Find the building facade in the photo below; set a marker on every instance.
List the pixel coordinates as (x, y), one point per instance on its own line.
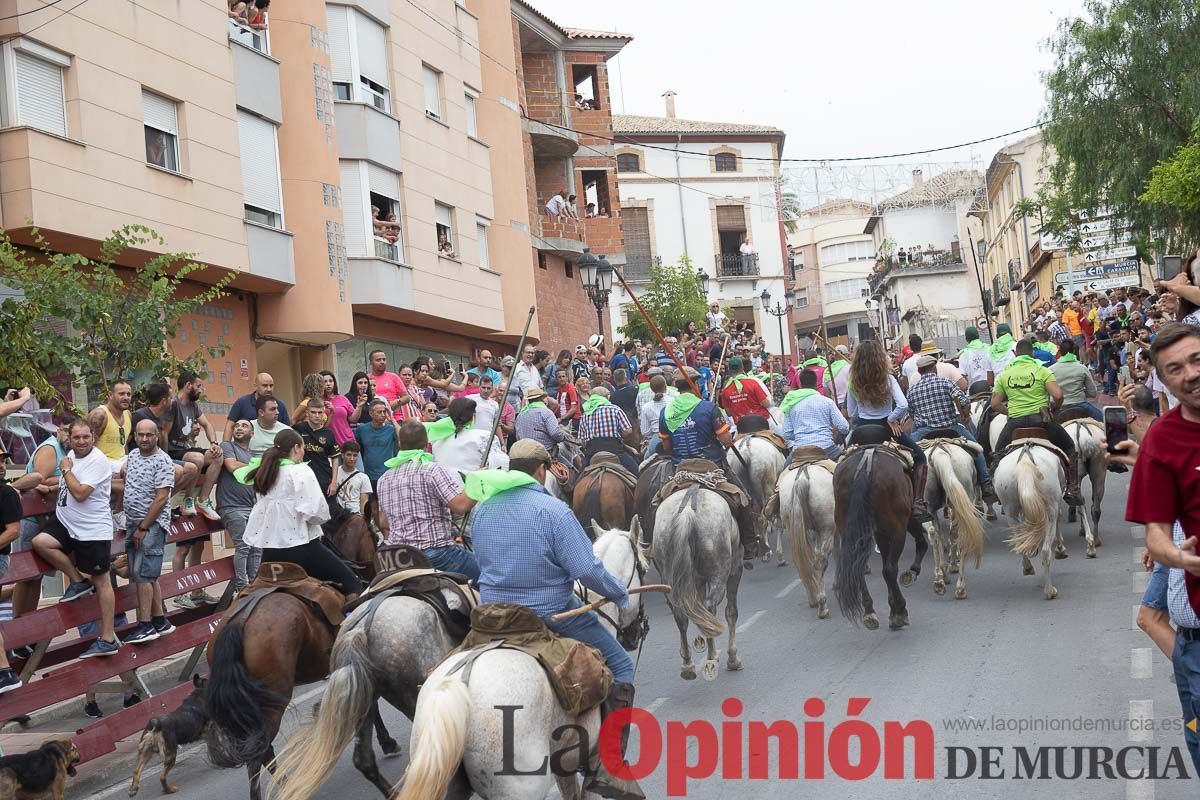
(832, 261)
(704, 190)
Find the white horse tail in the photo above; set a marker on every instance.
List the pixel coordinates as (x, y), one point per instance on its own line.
(439, 737)
(802, 553)
(966, 517)
(311, 755)
(1027, 539)
(681, 572)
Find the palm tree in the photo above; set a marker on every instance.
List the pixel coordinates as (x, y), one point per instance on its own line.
(789, 210)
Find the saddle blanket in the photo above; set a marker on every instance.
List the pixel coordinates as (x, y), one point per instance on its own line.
(806, 455)
(277, 576)
(897, 451)
(965, 444)
(607, 462)
(453, 601)
(702, 472)
(771, 437)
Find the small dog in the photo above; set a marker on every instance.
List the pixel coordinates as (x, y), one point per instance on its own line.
(164, 734)
(39, 774)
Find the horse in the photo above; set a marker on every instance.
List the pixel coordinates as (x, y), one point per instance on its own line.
(385, 648)
(995, 428)
(1089, 460)
(604, 498)
(759, 474)
(806, 511)
(459, 740)
(652, 476)
(873, 501)
(355, 543)
(696, 546)
(1029, 481)
(621, 553)
(953, 483)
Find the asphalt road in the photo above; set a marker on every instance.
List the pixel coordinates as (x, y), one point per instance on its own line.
(1000, 659)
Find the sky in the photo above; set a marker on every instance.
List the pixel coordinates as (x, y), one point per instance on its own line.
(842, 78)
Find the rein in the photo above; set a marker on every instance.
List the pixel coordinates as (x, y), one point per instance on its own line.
(639, 626)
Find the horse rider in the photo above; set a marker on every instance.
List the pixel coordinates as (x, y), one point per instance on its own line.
(416, 499)
(973, 360)
(1027, 392)
(743, 395)
(604, 428)
(531, 549)
(810, 418)
(537, 422)
(1075, 380)
(935, 402)
(873, 397)
(690, 427)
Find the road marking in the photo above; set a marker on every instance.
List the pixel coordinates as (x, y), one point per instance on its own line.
(753, 619)
(1139, 790)
(1138, 532)
(1140, 580)
(1136, 610)
(785, 591)
(1141, 663)
(656, 704)
(1141, 720)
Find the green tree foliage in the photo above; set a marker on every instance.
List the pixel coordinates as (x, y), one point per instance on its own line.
(118, 321)
(672, 299)
(1176, 181)
(1123, 94)
(790, 211)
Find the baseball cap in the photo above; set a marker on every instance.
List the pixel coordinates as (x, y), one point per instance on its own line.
(841, 348)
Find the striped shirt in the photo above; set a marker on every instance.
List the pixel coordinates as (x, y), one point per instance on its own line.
(606, 422)
(1181, 611)
(931, 402)
(541, 425)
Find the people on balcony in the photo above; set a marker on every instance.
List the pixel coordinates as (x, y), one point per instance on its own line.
(444, 246)
(556, 205)
(249, 13)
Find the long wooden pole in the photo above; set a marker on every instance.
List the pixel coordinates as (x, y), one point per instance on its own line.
(504, 397)
(657, 333)
(592, 606)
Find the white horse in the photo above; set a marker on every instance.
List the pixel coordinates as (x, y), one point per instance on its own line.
(765, 462)
(995, 428)
(696, 551)
(952, 482)
(1089, 460)
(806, 509)
(1029, 481)
(459, 724)
(621, 553)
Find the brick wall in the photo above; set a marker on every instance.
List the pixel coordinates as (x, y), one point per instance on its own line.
(540, 83)
(565, 315)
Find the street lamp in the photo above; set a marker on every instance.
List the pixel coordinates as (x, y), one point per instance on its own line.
(778, 312)
(597, 276)
(702, 281)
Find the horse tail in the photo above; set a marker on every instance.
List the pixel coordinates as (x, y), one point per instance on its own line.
(746, 473)
(439, 737)
(681, 570)
(1028, 538)
(308, 758)
(802, 553)
(234, 701)
(967, 518)
(855, 545)
(592, 508)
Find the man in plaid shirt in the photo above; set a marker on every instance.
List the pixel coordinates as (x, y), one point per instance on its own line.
(604, 428)
(1059, 332)
(416, 498)
(935, 402)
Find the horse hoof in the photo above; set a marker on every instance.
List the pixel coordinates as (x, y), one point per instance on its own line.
(960, 594)
(1061, 554)
(1027, 570)
(871, 622)
(907, 578)
(782, 563)
(1098, 542)
(939, 588)
(710, 669)
(823, 613)
(688, 673)
(1091, 552)
(765, 557)
(953, 569)
(735, 664)
(991, 515)
(391, 748)
(699, 644)
(1052, 594)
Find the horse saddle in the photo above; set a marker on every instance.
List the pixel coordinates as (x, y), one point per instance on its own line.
(706, 474)
(766, 435)
(979, 390)
(447, 593)
(577, 672)
(942, 436)
(753, 423)
(604, 462)
(805, 455)
(869, 435)
(1023, 437)
(283, 576)
(887, 447)
(1073, 413)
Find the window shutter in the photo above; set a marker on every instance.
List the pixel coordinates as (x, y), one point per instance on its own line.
(260, 165)
(441, 214)
(160, 113)
(481, 233)
(635, 223)
(337, 19)
(40, 94)
(372, 49)
(433, 100)
(731, 218)
(355, 211)
(383, 182)
(472, 125)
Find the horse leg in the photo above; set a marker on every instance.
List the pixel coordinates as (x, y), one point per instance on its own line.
(939, 560)
(921, 538)
(731, 618)
(898, 617)
(870, 621)
(1060, 547)
(386, 743)
(1026, 566)
(364, 754)
(688, 671)
(568, 786)
(821, 563)
(1052, 535)
(1087, 524)
(1097, 478)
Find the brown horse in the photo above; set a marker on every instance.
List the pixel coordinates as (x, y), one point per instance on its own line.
(653, 476)
(873, 501)
(601, 497)
(355, 543)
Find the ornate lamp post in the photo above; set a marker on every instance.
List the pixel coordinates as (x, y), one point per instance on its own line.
(702, 282)
(778, 312)
(597, 277)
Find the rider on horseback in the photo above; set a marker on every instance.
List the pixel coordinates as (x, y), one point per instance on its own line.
(531, 550)
(605, 429)
(1027, 392)
(693, 428)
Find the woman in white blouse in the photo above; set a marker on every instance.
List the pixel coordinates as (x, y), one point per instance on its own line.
(288, 511)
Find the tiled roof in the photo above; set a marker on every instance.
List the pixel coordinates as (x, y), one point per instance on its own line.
(628, 123)
(581, 33)
(951, 184)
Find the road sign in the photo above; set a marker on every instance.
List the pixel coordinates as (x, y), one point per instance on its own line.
(1101, 284)
(1127, 270)
(982, 322)
(1103, 239)
(1096, 256)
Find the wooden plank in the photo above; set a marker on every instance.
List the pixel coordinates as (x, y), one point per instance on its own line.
(54, 688)
(69, 651)
(101, 737)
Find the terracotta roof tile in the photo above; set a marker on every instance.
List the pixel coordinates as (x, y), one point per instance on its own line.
(628, 123)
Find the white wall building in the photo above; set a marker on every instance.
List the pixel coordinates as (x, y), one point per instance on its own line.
(702, 189)
(834, 261)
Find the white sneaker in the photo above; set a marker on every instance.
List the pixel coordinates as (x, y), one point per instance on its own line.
(206, 508)
(188, 509)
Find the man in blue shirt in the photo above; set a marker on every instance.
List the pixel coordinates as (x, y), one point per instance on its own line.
(531, 549)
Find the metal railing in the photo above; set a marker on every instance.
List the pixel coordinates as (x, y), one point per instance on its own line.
(257, 40)
(637, 268)
(736, 265)
(385, 249)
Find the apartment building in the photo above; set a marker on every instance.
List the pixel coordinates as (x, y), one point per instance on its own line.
(832, 260)
(705, 190)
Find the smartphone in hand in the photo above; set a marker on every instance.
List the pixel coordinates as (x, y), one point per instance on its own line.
(1116, 427)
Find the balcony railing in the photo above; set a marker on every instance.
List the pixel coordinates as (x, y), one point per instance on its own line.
(563, 228)
(736, 265)
(932, 260)
(256, 40)
(385, 249)
(637, 268)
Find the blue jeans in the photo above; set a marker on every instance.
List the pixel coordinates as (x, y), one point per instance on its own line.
(1156, 589)
(1091, 409)
(1186, 659)
(651, 446)
(587, 629)
(980, 462)
(454, 558)
(903, 439)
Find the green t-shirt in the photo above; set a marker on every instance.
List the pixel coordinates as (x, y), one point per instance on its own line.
(1023, 382)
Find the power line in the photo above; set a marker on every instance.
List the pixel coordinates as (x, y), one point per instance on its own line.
(65, 12)
(19, 14)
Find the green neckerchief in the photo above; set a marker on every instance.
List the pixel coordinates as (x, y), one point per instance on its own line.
(836, 367)
(1023, 360)
(241, 474)
(735, 380)
(974, 344)
(643, 386)
(1045, 347)
(484, 484)
(442, 429)
(405, 456)
(1001, 346)
(679, 409)
(534, 404)
(794, 397)
(1069, 358)
(816, 361)
(593, 402)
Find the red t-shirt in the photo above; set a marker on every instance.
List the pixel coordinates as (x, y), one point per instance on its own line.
(1166, 481)
(568, 401)
(747, 400)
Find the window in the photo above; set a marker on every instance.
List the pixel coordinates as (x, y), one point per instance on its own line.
(628, 162)
(260, 170)
(584, 79)
(852, 289)
(848, 251)
(162, 131)
(800, 298)
(433, 91)
(481, 234)
(595, 193)
(472, 123)
(371, 211)
(358, 57)
(725, 162)
(33, 87)
(443, 218)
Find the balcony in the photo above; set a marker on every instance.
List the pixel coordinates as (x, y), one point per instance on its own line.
(380, 287)
(549, 141)
(255, 40)
(271, 255)
(736, 265)
(365, 133)
(256, 79)
(561, 236)
(931, 262)
(637, 268)
(387, 250)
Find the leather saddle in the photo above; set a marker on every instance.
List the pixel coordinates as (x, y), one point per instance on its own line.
(943, 433)
(283, 576)
(1035, 436)
(1068, 414)
(869, 434)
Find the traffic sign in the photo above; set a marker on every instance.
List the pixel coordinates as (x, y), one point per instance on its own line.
(982, 322)
(1102, 239)
(1127, 269)
(1096, 256)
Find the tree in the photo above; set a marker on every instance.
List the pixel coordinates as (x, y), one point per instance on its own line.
(112, 322)
(673, 299)
(790, 211)
(1176, 181)
(1123, 94)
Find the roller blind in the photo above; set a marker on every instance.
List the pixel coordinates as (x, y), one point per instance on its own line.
(731, 218)
(441, 214)
(433, 98)
(472, 125)
(372, 49)
(260, 166)
(40, 94)
(481, 233)
(337, 19)
(160, 113)
(355, 211)
(383, 181)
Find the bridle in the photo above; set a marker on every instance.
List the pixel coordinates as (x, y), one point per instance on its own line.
(634, 633)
